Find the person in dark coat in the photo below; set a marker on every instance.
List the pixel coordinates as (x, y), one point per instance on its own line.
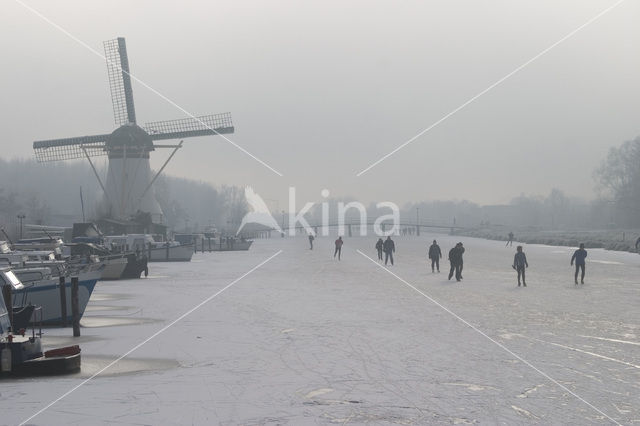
(435, 254)
(389, 247)
(455, 258)
(638, 244)
(579, 257)
(379, 245)
(338, 251)
(519, 264)
(145, 263)
(311, 238)
(461, 248)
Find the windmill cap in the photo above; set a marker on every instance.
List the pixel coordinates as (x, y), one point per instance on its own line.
(129, 135)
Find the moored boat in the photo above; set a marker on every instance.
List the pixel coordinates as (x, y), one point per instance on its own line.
(21, 353)
(156, 251)
(207, 242)
(46, 294)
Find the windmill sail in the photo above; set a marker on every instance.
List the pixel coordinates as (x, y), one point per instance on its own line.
(115, 52)
(216, 124)
(70, 148)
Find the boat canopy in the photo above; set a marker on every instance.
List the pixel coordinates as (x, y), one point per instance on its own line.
(7, 277)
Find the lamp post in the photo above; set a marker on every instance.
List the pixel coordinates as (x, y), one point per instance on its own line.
(417, 221)
(282, 223)
(21, 216)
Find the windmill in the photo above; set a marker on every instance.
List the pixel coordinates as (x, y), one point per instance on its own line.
(129, 185)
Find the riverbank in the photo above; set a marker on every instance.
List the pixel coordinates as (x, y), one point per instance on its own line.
(616, 239)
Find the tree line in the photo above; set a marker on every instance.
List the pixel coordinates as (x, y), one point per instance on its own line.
(49, 194)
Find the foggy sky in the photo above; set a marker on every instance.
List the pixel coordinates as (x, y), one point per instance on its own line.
(320, 90)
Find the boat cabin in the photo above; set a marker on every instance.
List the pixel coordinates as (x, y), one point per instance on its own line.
(8, 282)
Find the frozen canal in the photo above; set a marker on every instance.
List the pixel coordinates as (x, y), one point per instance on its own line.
(306, 339)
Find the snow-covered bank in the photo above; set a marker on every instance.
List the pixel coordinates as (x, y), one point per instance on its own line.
(618, 240)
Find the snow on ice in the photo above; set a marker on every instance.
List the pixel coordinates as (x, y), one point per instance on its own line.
(307, 339)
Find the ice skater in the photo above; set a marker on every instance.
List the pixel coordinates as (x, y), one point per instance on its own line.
(311, 238)
(579, 257)
(145, 263)
(338, 251)
(520, 264)
(455, 259)
(379, 245)
(435, 254)
(461, 248)
(510, 240)
(389, 247)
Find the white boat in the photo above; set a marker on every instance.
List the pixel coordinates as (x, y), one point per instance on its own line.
(46, 293)
(206, 242)
(230, 244)
(53, 244)
(114, 264)
(22, 257)
(157, 251)
(113, 267)
(28, 275)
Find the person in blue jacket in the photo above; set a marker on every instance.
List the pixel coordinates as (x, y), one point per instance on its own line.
(579, 257)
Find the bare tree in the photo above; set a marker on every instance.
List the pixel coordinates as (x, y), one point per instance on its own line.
(619, 176)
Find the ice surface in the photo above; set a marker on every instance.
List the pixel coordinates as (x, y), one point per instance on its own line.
(306, 339)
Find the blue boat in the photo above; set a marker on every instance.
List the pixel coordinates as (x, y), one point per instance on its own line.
(46, 294)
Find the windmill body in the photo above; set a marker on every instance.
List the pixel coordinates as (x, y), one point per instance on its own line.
(129, 173)
(129, 184)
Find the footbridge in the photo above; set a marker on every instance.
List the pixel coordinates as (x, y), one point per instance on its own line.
(352, 228)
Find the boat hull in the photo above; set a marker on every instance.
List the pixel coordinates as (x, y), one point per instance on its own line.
(46, 294)
(217, 245)
(27, 358)
(236, 246)
(114, 268)
(49, 366)
(135, 266)
(182, 253)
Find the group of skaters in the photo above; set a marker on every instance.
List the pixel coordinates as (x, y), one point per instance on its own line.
(520, 263)
(455, 259)
(388, 247)
(579, 259)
